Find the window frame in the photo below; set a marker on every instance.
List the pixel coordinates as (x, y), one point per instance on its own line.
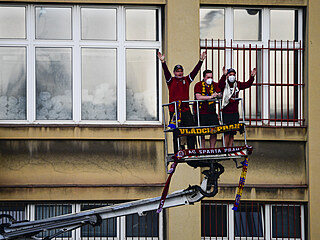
(266, 44)
(76, 44)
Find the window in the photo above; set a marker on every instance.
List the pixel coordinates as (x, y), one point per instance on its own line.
(244, 38)
(253, 220)
(132, 226)
(74, 64)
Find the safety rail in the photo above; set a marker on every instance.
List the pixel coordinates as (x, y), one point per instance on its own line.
(200, 153)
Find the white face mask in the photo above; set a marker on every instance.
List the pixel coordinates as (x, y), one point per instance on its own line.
(232, 78)
(209, 81)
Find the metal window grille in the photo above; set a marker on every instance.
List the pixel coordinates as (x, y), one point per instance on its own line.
(253, 220)
(276, 96)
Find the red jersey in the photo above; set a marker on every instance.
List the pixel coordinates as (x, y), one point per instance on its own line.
(179, 87)
(198, 88)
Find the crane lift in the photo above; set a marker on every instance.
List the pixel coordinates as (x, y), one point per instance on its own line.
(202, 157)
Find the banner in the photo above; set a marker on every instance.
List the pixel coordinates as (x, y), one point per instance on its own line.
(209, 130)
(213, 151)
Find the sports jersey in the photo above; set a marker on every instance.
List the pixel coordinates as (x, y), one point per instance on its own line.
(179, 87)
(204, 105)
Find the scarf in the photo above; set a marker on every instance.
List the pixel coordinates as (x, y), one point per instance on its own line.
(204, 92)
(228, 92)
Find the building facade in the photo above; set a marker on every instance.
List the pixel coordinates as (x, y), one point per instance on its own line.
(81, 121)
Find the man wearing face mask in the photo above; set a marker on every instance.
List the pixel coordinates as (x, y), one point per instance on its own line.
(207, 90)
(231, 87)
(179, 91)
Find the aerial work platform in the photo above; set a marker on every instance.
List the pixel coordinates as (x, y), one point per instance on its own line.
(201, 155)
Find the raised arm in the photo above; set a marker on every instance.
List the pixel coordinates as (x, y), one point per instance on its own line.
(196, 69)
(247, 84)
(166, 71)
(222, 81)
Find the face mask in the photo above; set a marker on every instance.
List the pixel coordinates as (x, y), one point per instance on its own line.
(209, 81)
(232, 78)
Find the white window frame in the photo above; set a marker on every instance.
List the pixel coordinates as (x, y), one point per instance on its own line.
(76, 234)
(30, 43)
(266, 219)
(265, 35)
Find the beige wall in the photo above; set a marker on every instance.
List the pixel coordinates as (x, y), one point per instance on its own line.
(313, 46)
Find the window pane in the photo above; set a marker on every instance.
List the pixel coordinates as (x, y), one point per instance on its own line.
(99, 24)
(53, 23)
(211, 23)
(144, 226)
(12, 22)
(53, 84)
(286, 222)
(141, 24)
(16, 210)
(285, 30)
(13, 83)
(99, 84)
(142, 81)
(108, 227)
(248, 220)
(214, 220)
(52, 210)
(247, 24)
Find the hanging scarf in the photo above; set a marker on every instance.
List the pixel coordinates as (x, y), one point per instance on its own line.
(241, 184)
(172, 123)
(228, 92)
(204, 92)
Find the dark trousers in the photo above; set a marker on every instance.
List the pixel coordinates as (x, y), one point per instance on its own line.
(186, 121)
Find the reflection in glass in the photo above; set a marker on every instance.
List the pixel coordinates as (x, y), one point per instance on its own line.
(282, 98)
(53, 84)
(98, 23)
(244, 62)
(211, 23)
(12, 22)
(143, 226)
(247, 24)
(99, 84)
(43, 211)
(286, 222)
(53, 23)
(141, 24)
(282, 25)
(142, 101)
(13, 83)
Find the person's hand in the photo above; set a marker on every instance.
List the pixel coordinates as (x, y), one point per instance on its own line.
(161, 57)
(253, 72)
(214, 95)
(203, 56)
(219, 95)
(224, 70)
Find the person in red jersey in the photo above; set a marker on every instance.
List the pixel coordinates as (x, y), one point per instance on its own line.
(178, 86)
(231, 87)
(207, 90)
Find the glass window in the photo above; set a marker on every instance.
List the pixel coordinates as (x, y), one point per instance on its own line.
(108, 227)
(141, 24)
(144, 226)
(211, 23)
(99, 84)
(53, 23)
(14, 209)
(43, 211)
(98, 24)
(247, 24)
(12, 22)
(13, 83)
(248, 221)
(53, 84)
(141, 89)
(286, 221)
(214, 220)
(286, 30)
